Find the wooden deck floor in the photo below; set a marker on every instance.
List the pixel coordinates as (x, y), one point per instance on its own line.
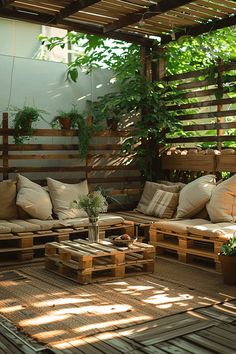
(206, 326)
(207, 330)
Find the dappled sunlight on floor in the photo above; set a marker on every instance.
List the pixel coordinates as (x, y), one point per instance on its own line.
(55, 310)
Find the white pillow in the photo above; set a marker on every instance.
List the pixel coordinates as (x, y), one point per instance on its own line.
(63, 195)
(33, 199)
(194, 196)
(222, 205)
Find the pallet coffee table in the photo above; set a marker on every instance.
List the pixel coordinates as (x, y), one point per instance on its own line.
(86, 262)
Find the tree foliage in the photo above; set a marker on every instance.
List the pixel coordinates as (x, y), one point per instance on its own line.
(188, 53)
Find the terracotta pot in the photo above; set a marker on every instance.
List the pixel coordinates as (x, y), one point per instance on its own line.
(65, 122)
(228, 266)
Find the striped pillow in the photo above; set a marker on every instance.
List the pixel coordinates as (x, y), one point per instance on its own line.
(163, 204)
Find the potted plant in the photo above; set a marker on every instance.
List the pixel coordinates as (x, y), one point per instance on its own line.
(76, 120)
(23, 121)
(93, 204)
(228, 261)
(65, 119)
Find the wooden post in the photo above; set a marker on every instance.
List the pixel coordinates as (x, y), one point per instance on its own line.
(158, 74)
(160, 64)
(219, 106)
(89, 122)
(5, 163)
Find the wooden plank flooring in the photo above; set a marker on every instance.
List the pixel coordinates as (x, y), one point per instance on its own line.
(207, 330)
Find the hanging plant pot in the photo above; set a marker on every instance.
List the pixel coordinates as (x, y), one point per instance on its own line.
(65, 122)
(228, 266)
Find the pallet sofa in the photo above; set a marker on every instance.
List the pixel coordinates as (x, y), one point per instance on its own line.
(192, 222)
(26, 224)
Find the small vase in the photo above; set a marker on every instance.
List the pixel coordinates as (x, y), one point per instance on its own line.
(93, 229)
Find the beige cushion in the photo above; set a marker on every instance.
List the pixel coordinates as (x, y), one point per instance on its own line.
(8, 209)
(150, 189)
(33, 199)
(219, 230)
(4, 228)
(222, 205)
(63, 195)
(179, 226)
(163, 204)
(194, 196)
(46, 224)
(137, 217)
(19, 225)
(168, 183)
(104, 220)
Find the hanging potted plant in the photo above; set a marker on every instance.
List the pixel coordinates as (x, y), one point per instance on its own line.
(23, 121)
(65, 119)
(76, 120)
(227, 258)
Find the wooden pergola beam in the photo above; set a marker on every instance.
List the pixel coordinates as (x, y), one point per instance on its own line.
(44, 19)
(74, 7)
(200, 29)
(4, 3)
(153, 10)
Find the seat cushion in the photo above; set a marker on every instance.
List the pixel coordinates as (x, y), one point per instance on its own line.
(63, 195)
(17, 225)
(33, 199)
(8, 209)
(137, 217)
(104, 220)
(219, 230)
(194, 196)
(222, 205)
(179, 226)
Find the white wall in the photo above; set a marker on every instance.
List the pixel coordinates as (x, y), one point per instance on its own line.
(28, 81)
(19, 38)
(43, 84)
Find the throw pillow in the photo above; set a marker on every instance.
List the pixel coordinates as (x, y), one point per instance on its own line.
(168, 183)
(33, 199)
(163, 204)
(149, 190)
(222, 205)
(63, 195)
(194, 196)
(8, 209)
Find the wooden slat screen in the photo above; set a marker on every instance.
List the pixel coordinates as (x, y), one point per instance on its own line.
(54, 153)
(207, 109)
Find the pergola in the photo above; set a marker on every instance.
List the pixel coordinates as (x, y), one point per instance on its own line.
(136, 21)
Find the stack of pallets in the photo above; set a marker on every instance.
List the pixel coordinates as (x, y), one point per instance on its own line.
(88, 262)
(186, 246)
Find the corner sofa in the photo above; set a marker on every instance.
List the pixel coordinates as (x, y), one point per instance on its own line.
(192, 221)
(32, 215)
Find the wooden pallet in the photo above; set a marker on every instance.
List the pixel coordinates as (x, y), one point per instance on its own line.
(25, 246)
(89, 262)
(187, 247)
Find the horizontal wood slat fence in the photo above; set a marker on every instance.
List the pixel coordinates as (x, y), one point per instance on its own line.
(208, 95)
(208, 115)
(54, 153)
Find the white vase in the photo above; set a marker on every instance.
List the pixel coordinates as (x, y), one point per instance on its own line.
(93, 229)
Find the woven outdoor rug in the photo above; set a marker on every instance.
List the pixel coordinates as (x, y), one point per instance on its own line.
(52, 309)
